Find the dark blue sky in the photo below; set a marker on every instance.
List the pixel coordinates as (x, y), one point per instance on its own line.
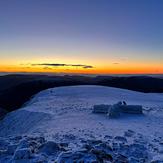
(114, 30)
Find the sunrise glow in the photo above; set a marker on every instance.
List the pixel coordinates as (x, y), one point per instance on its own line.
(81, 37)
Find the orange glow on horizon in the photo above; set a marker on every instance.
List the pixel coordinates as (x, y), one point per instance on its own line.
(99, 70)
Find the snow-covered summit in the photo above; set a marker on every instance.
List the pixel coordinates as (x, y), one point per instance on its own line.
(68, 109)
(65, 114)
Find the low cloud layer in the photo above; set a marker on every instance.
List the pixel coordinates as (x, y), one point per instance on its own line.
(62, 65)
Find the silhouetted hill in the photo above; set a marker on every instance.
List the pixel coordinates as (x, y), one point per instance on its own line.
(15, 90)
(137, 83)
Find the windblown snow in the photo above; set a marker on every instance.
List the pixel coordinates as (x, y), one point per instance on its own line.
(64, 114)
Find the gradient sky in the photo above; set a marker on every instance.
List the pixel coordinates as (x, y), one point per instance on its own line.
(81, 36)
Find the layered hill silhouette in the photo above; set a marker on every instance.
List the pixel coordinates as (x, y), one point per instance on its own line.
(15, 90)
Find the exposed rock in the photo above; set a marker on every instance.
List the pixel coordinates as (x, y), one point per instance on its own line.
(94, 142)
(3, 152)
(76, 157)
(133, 160)
(138, 151)
(40, 140)
(11, 149)
(69, 137)
(157, 159)
(24, 144)
(49, 148)
(102, 155)
(120, 159)
(160, 150)
(24, 153)
(124, 149)
(129, 133)
(118, 150)
(121, 139)
(3, 143)
(63, 145)
(40, 159)
(108, 137)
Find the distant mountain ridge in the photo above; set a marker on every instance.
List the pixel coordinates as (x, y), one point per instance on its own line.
(15, 90)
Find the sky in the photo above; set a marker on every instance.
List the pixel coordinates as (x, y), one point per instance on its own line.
(82, 36)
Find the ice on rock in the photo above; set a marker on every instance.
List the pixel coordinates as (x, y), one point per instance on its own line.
(101, 108)
(121, 159)
(70, 157)
(132, 109)
(49, 148)
(138, 151)
(129, 133)
(157, 159)
(160, 150)
(115, 110)
(11, 149)
(24, 144)
(24, 153)
(42, 158)
(3, 143)
(121, 139)
(117, 149)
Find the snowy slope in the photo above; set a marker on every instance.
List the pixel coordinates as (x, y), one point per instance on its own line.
(65, 113)
(65, 108)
